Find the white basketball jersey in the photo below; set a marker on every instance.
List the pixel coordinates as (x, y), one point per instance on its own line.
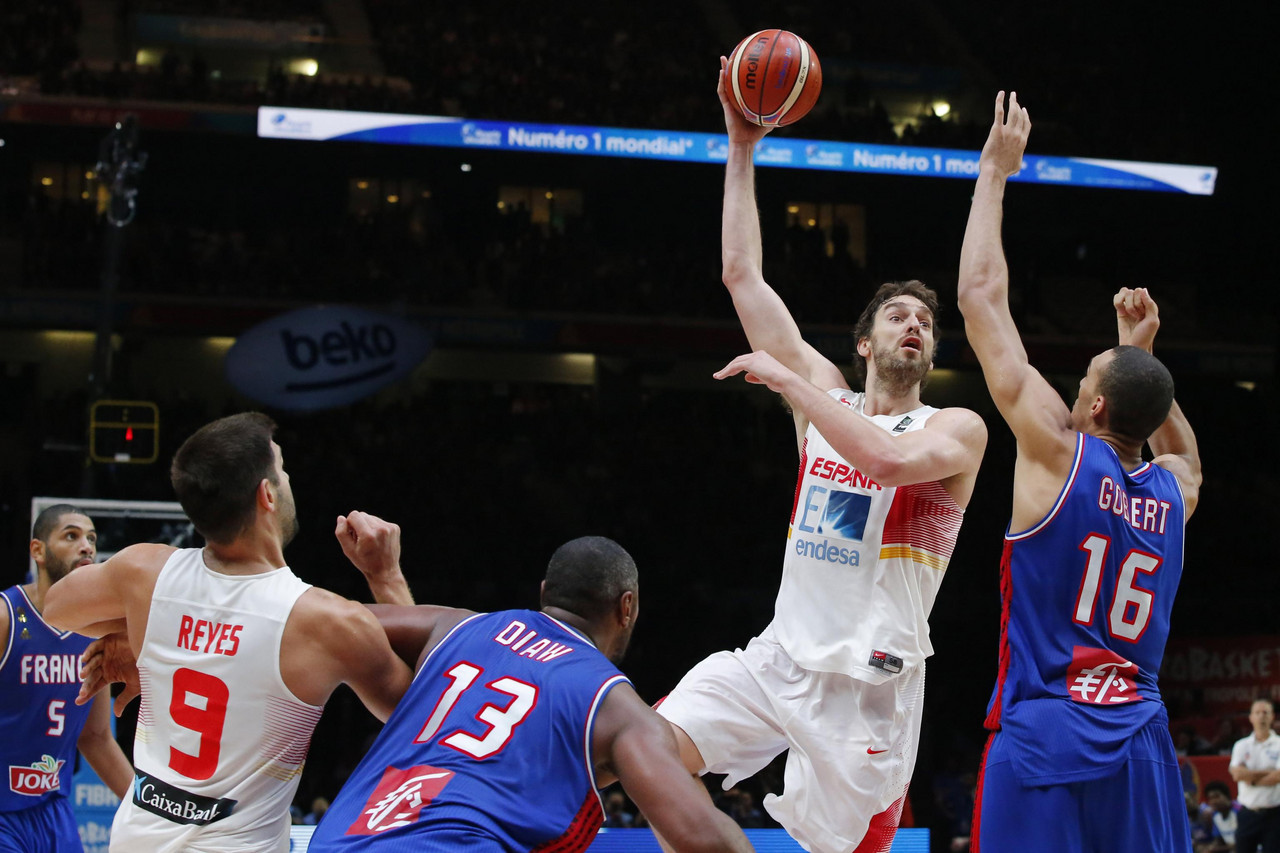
(863, 561)
(221, 740)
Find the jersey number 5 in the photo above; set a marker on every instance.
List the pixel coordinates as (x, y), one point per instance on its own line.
(198, 703)
(500, 722)
(1131, 604)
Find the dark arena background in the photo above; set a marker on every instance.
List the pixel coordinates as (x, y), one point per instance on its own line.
(572, 309)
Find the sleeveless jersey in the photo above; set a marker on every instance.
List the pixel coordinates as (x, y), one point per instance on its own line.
(1086, 595)
(863, 562)
(39, 717)
(490, 749)
(221, 740)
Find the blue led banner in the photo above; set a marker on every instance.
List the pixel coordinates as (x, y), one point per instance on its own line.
(643, 841)
(389, 128)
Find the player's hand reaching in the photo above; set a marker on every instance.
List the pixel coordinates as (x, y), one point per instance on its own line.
(1137, 317)
(109, 660)
(740, 130)
(760, 369)
(373, 546)
(1008, 139)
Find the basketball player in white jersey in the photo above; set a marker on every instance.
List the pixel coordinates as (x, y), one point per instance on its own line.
(236, 655)
(838, 676)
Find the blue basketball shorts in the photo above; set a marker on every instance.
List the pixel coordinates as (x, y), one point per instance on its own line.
(49, 827)
(1139, 808)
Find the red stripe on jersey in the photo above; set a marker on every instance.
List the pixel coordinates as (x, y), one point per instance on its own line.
(804, 463)
(580, 834)
(975, 828)
(880, 831)
(925, 516)
(286, 731)
(1006, 595)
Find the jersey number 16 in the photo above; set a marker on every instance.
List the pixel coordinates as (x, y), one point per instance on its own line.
(1131, 604)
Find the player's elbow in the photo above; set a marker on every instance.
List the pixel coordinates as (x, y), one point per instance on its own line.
(888, 468)
(737, 269)
(979, 290)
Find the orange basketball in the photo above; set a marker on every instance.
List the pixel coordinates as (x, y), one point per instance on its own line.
(774, 78)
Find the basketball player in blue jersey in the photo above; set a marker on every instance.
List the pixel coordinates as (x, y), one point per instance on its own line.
(515, 720)
(1080, 759)
(41, 722)
(837, 679)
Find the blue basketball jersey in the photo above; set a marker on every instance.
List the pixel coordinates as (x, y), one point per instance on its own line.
(1087, 594)
(41, 722)
(489, 750)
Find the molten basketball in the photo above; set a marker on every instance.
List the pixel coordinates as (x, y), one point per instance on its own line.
(774, 78)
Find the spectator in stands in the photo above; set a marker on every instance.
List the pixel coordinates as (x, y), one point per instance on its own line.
(740, 805)
(1225, 736)
(1219, 814)
(616, 813)
(319, 806)
(1201, 824)
(1187, 741)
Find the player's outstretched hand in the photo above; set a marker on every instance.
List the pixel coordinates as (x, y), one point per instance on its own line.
(1137, 317)
(109, 660)
(1008, 139)
(371, 544)
(740, 130)
(760, 369)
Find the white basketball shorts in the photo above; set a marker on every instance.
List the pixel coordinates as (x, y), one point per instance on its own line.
(852, 744)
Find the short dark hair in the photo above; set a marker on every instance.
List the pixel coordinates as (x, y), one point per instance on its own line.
(886, 292)
(216, 473)
(49, 517)
(1139, 392)
(586, 576)
(1266, 699)
(1217, 785)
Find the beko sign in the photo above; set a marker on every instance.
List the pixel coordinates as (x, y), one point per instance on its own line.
(319, 358)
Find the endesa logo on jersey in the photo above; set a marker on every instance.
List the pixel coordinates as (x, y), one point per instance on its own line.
(40, 778)
(322, 357)
(399, 798)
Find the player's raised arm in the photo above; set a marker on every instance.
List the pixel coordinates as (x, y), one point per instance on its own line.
(1037, 415)
(636, 745)
(952, 443)
(1173, 442)
(763, 314)
(373, 546)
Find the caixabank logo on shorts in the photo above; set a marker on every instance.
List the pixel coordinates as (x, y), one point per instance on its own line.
(38, 779)
(322, 357)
